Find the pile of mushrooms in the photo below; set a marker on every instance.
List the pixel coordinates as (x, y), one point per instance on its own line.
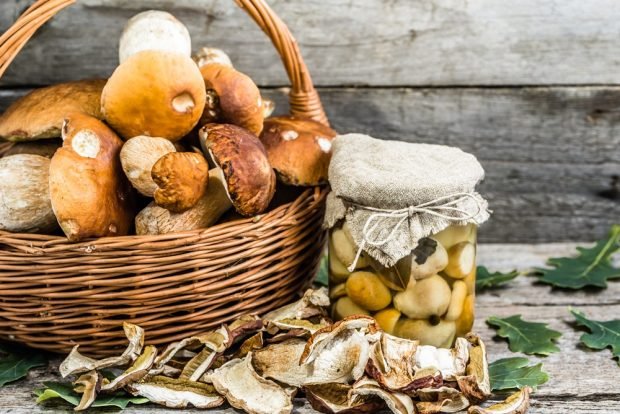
(169, 143)
(259, 365)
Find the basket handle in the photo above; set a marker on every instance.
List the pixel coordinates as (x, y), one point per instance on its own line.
(304, 98)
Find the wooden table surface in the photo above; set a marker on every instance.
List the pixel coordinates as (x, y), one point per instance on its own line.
(582, 381)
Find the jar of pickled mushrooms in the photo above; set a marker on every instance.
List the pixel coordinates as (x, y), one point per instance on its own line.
(402, 222)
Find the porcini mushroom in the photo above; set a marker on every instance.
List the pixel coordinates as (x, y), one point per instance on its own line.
(299, 149)
(90, 194)
(40, 114)
(25, 205)
(181, 178)
(154, 219)
(154, 93)
(138, 156)
(242, 160)
(154, 30)
(213, 112)
(235, 97)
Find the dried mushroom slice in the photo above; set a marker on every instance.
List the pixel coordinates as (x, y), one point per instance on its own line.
(176, 393)
(321, 338)
(77, 363)
(516, 403)
(138, 370)
(252, 344)
(198, 365)
(89, 385)
(397, 402)
(424, 379)
(339, 353)
(446, 402)
(305, 324)
(334, 398)
(476, 384)
(216, 341)
(244, 389)
(392, 362)
(311, 304)
(244, 326)
(280, 362)
(285, 336)
(451, 362)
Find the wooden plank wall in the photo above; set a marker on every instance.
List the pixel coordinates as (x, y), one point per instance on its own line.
(531, 88)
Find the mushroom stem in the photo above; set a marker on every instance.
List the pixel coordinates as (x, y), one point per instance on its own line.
(218, 201)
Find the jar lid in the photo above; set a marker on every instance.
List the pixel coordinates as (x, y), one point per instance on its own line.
(394, 193)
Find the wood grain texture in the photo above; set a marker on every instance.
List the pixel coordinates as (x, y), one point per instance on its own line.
(552, 155)
(374, 42)
(581, 380)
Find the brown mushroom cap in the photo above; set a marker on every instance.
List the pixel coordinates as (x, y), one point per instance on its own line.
(246, 170)
(154, 93)
(40, 114)
(299, 149)
(90, 194)
(182, 179)
(240, 102)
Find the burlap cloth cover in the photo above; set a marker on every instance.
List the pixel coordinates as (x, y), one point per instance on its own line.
(393, 193)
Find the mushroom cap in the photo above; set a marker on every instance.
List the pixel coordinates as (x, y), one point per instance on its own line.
(24, 194)
(154, 93)
(249, 178)
(181, 178)
(138, 156)
(40, 113)
(299, 149)
(90, 194)
(240, 102)
(154, 30)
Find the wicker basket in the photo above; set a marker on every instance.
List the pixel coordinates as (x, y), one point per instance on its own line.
(55, 294)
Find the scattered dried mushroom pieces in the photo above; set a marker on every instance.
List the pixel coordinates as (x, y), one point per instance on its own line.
(258, 364)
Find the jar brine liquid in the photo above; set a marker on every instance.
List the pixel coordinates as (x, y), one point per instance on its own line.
(427, 296)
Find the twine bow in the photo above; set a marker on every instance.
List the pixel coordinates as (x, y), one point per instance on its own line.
(433, 208)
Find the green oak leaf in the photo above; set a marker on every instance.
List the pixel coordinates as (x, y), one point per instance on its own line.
(486, 279)
(510, 373)
(15, 363)
(322, 275)
(527, 337)
(65, 392)
(592, 267)
(603, 334)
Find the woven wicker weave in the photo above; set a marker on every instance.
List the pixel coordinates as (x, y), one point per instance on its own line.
(54, 294)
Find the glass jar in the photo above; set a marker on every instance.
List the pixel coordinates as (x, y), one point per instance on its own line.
(428, 295)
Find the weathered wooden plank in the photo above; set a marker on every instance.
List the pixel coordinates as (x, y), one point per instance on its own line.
(375, 42)
(552, 155)
(524, 291)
